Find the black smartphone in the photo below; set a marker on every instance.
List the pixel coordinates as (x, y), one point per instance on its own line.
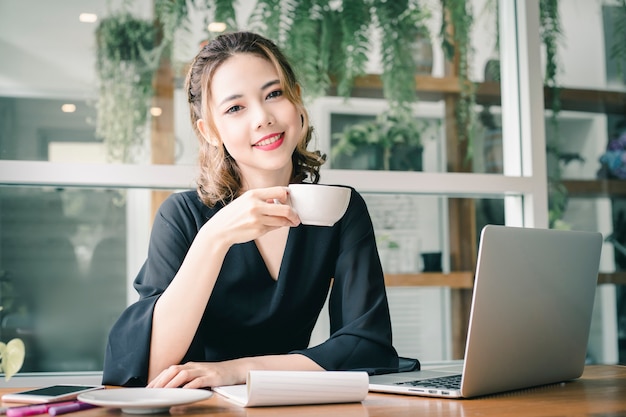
(49, 394)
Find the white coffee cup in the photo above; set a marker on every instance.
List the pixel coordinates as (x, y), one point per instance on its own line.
(319, 205)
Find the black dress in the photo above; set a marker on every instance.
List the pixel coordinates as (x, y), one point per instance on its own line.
(249, 313)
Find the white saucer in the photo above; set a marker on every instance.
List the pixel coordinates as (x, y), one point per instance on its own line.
(144, 400)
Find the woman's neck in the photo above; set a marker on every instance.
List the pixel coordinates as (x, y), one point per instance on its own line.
(252, 181)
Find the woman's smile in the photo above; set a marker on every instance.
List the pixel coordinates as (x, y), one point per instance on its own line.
(270, 142)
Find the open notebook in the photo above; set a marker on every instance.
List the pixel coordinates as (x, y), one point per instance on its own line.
(530, 317)
(272, 388)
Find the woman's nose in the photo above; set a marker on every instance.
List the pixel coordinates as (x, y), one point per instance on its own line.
(263, 117)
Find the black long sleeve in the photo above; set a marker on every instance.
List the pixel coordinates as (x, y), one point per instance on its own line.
(249, 313)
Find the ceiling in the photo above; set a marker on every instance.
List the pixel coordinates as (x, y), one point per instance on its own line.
(47, 52)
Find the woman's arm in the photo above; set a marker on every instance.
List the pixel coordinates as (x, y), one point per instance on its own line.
(179, 309)
(360, 334)
(232, 372)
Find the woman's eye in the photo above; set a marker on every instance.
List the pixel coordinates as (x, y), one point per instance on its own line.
(233, 109)
(275, 93)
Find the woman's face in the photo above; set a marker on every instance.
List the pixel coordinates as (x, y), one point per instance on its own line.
(257, 124)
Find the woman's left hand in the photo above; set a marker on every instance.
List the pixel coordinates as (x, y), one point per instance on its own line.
(232, 372)
(200, 375)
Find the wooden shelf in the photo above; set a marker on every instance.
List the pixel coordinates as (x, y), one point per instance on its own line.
(488, 93)
(465, 279)
(595, 188)
(618, 278)
(462, 279)
(572, 99)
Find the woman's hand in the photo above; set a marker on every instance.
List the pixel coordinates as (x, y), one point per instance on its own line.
(253, 214)
(232, 372)
(200, 375)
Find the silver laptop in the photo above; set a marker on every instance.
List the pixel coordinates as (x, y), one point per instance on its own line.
(530, 317)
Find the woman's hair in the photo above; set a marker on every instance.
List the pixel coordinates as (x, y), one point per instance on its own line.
(219, 179)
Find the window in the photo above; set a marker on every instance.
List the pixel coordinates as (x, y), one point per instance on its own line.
(57, 196)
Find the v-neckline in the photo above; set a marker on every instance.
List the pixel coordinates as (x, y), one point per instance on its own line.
(273, 266)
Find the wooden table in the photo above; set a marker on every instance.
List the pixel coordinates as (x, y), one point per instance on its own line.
(601, 391)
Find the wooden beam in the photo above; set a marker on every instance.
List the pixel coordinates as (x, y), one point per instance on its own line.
(163, 137)
(458, 280)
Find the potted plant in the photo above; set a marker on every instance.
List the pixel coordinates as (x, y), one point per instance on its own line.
(12, 354)
(392, 141)
(11, 357)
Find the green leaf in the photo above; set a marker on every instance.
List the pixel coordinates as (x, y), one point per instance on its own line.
(12, 355)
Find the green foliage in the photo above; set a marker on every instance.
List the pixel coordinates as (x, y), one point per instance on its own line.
(618, 49)
(401, 22)
(551, 33)
(11, 357)
(267, 17)
(394, 131)
(224, 11)
(172, 15)
(355, 22)
(455, 35)
(127, 57)
(302, 44)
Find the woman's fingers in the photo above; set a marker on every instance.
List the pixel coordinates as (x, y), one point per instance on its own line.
(196, 375)
(263, 206)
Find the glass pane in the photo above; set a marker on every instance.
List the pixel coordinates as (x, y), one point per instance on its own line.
(607, 216)
(63, 273)
(409, 231)
(45, 129)
(416, 255)
(72, 74)
(359, 134)
(584, 134)
(487, 152)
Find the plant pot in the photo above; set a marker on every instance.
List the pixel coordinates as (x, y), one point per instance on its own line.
(492, 70)
(406, 158)
(365, 157)
(422, 50)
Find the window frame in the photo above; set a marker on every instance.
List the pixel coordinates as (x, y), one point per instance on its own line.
(523, 184)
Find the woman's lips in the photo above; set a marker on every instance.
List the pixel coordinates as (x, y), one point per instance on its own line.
(269, 143)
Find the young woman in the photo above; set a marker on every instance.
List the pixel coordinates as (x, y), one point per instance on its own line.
(233, 281)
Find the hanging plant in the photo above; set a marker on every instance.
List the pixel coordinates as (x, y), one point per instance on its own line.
(269, 19)
(550, 32)
(172, 16)
(330, 41)
(355, 24)
(550, 35)
(618, 49)
(308, 32)
(127, 59)
(456, 26)
(401, 22)
(395, 135)
(306, 20)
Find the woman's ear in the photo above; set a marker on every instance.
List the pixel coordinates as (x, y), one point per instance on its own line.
(204, 130)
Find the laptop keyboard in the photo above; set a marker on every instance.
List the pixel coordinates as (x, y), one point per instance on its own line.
(444, 382)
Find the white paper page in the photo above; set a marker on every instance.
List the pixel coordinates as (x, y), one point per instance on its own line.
(267, 388)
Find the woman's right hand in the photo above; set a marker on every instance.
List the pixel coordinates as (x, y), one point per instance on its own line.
(253, 214)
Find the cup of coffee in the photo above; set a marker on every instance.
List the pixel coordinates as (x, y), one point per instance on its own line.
(319, 205)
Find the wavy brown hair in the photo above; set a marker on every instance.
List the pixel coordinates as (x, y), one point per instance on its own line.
(219, 179)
